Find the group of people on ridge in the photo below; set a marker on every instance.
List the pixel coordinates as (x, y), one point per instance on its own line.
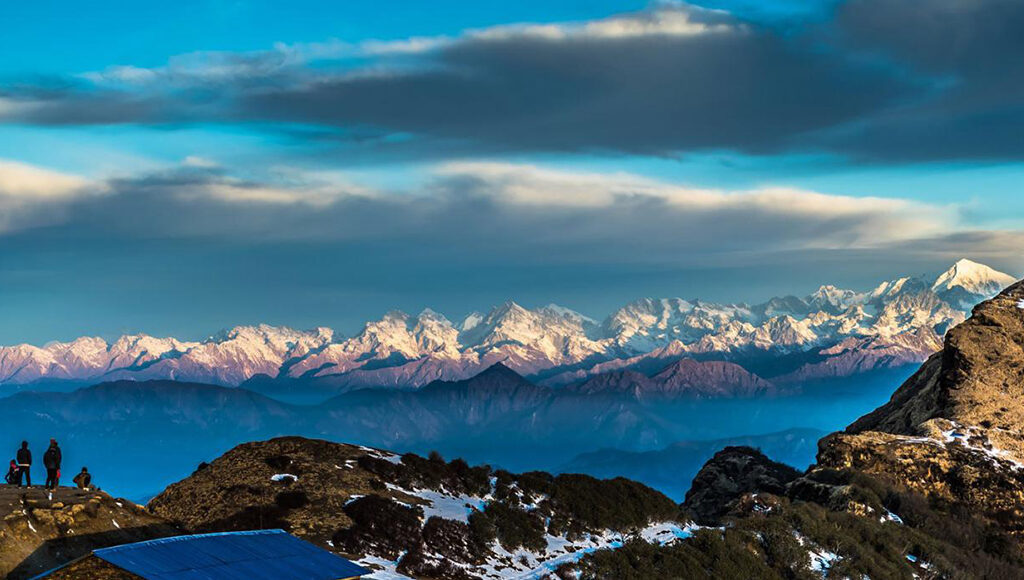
(20, 469)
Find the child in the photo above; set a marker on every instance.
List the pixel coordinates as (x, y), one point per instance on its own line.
(12, 473)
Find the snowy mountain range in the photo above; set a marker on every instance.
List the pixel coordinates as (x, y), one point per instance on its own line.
(832, 332)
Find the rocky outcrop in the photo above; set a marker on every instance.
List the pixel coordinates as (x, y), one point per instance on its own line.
(729, 475)
(953, 431)
(956, 470)
(977, 380)
(40, 531)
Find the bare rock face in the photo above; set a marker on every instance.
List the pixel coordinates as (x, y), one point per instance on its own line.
(38, 532)
(958, 470)
(976, 381)
(954, 431)
(731, 474)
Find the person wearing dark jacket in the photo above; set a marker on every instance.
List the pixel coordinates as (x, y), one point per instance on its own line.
(24, 464)
(51, 461)
(12, 473)
(83, 479)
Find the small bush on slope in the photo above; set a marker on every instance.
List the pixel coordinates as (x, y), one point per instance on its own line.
(512, 527)
(380, 526)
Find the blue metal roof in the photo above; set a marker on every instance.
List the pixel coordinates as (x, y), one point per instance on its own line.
(255, 555)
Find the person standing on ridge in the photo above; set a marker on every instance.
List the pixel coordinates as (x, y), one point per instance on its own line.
(24, 464)
(51, 461)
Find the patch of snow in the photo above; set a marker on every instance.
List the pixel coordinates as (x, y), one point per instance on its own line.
(963, 436)
(823, 560)
(667, 533)
(116, 525)
(383, 569)
(525, 565)
(444, 505)
(449, 507)
(380, 454)
(284, 477)
(890, 517)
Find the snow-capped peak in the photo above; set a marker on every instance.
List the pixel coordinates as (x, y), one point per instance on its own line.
(471, 321)
(973, 277)
(567, 313)
(832, 299)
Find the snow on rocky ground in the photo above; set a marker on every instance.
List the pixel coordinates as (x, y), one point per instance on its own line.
(890, 517)
(449, 507)
(821, 560)
(382, 569)
(379, 454)
(523, 564)
(969, 438)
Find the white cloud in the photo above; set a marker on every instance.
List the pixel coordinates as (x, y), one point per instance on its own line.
(31, 196)
(473, 203)
(28, 182)
(665, 19)
(866, 221)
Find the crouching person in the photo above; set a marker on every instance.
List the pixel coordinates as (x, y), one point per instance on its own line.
(83, 479)
(12, 474)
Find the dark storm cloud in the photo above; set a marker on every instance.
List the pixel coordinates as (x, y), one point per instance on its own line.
(974, 38)
(879, 81)
(739, 87)
(671, 79)
(972, 50)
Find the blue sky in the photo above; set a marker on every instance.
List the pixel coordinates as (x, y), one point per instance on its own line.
(178, 169)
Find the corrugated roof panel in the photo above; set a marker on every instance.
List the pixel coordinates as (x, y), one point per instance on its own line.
(256, 555)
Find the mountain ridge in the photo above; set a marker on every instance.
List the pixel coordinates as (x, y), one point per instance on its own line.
(905, 317)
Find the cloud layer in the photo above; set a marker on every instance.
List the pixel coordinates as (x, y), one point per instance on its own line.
(670, 79)
(880, 80)
(195, 247)
(520, 208)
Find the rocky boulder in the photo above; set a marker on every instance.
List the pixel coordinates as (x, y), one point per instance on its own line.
(728, 476)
